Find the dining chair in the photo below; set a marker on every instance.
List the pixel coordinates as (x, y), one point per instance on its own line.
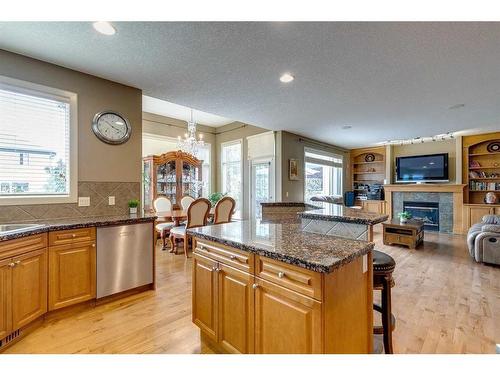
(197, 216)
(186, 201)
(163, 204)
(224, 210)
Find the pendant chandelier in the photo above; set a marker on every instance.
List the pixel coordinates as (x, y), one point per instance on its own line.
(189, 144)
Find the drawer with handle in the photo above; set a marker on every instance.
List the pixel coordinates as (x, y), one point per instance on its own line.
(305, 282)
(69, 236)
(232, 257)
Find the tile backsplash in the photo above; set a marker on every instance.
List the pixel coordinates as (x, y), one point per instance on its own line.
(98, 193)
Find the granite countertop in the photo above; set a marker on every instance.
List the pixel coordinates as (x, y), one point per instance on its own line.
(338, 212)
(286, 242)
(85, 222)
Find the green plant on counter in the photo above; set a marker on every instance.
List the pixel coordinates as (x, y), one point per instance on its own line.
(215, 197)
(133, 203)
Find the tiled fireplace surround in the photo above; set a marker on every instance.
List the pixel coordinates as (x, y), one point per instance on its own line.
(98, 193)
(445, 201)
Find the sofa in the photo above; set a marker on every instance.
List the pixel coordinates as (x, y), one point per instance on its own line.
(336, 199)
(483, 240)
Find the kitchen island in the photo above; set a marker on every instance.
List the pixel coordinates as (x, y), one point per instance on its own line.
(271, 287)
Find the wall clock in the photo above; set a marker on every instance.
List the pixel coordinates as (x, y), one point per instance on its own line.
(111, 127)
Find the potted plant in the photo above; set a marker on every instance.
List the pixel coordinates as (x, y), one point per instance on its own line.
(404, 217)
(215, 197)
(132, 206)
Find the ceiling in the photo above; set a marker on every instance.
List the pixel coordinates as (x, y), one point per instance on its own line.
(385, 80)
(180, 112)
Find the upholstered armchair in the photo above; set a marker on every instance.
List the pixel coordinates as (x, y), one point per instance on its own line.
(483, 240)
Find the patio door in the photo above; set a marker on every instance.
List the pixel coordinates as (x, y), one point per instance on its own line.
(262, 185)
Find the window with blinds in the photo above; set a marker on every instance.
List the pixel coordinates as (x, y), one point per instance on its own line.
(34, 143)
(323, 173)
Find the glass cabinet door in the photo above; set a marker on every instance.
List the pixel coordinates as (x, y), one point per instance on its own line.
(147, 187)
(191, 181)
(166, 181)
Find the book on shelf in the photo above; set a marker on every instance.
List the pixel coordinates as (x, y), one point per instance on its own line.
(484, 186)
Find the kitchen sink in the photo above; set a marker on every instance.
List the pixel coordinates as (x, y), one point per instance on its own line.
(10, 228)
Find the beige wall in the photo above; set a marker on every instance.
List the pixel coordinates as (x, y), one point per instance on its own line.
(231, 132)
(448, 146)
(97, 161)
(171, 127)
(292, 147)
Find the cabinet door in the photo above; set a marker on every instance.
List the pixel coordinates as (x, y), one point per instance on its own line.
(235, 309)
(204, 295)
(375, 206)
(477, 213)
(72, 274)
(29, 286)
(5, 297)
(285, 321)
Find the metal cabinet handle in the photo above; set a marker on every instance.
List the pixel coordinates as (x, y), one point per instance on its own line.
(255, 286)
(232, 257)
(281, 275)
(73, 235)
(12, 265)
(93, 245)
(17, 262)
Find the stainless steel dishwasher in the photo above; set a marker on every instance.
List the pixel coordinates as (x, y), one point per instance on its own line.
(124, 258)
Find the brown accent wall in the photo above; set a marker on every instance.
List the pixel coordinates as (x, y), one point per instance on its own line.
(97, 161)
(103, 170)
(292, 147)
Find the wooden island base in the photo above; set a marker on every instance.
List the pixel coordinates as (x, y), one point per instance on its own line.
(247, 303)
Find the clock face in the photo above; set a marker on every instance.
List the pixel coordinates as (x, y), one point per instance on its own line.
(111, 127)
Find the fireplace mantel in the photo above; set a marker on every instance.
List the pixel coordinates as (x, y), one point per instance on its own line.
(428, 188)
(456, 189)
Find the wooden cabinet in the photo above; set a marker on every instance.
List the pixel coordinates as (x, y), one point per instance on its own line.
(72, 267)
(246, 303)
(29, 287)
(475, 212)
(5, 297)
(286, 322)
(223, 304)
(374, 206)
(23, 282)
(235, 300)
(173, 174)
(72, 274)
(205, 295)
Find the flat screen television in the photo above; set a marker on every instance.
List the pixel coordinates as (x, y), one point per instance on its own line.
(422, 168)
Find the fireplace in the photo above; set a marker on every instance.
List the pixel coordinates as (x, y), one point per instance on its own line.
(428, 212)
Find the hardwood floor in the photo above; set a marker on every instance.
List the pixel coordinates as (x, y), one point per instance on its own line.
(443, 301)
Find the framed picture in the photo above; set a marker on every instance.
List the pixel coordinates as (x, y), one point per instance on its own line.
(293, 169)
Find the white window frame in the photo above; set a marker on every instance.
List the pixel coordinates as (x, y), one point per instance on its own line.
(241, 197)
(42, 91)
(308, 159)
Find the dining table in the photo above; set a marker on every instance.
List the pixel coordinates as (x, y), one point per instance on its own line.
(177, 215)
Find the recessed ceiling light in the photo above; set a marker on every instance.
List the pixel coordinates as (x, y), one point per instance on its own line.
(286, 78)
(457, 106)
(104, 27)
(345, 127)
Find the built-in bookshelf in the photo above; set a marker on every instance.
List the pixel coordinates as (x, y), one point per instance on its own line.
(481, 167)
(368, 173)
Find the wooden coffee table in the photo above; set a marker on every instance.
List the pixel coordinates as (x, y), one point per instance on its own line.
(409, 234)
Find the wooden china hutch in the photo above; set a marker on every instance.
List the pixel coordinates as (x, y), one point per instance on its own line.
(173, 175)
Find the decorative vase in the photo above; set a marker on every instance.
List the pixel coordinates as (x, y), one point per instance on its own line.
(490, 198)
(403, 220)
(133, 210)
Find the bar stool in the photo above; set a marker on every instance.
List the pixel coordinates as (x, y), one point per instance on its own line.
(383, 266)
